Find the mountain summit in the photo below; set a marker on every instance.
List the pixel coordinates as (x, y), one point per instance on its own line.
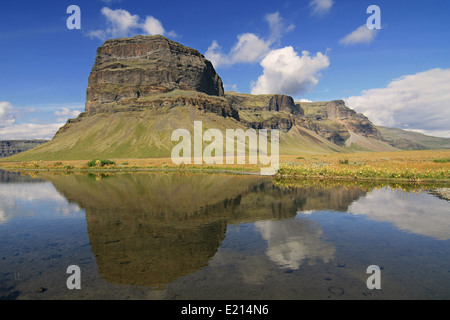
(129, 69)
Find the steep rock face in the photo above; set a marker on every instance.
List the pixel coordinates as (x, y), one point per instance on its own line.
(285, 103)
(356, 122)
(130, 69)
(12, 147)
(336, 122)
(265, 111)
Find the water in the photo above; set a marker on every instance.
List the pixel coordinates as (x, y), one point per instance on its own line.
(186, 237)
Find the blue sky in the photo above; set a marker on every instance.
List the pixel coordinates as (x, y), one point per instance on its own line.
(315, 50)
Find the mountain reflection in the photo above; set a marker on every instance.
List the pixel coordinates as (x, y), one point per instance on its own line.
(150, 229)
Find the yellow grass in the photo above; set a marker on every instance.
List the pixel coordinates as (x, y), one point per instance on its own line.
(400, 165)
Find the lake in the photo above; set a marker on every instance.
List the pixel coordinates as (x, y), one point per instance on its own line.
(179, 236)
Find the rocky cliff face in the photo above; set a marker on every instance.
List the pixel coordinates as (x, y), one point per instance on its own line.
(336, 122)
(265, 111)
(12, 147)
(332, 120)
(128, 70)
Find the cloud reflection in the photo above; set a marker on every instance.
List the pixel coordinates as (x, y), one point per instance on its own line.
(417, 213)
(291, 243)
(26, 199)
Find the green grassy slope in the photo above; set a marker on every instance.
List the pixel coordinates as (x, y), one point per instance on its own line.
(410, 140)
(147, 134)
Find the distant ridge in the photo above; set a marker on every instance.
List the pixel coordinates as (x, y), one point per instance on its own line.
(410, 140)
(11, 147)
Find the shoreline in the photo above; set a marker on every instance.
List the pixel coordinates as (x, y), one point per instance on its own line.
(422, 166)
(227, 171)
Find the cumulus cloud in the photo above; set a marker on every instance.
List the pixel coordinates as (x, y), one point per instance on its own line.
(285, 72)
(249, 47)
(6, 116)
(121, 23)
(360, 35)
(11, 129)
(29, 131)
(419, 102)
(321, 7)
(65, 113)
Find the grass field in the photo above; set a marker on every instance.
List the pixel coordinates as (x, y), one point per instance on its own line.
(409, 166)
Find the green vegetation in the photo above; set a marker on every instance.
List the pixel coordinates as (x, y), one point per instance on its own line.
(409, 140)
(446, 160)
(100, 163)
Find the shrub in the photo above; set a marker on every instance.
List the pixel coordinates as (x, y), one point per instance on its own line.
(445, 160)
(345, 161)
(100, 163)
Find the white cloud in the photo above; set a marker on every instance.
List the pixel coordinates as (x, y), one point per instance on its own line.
(65, 114)
(360, 35)
(412, 211)
(11, 130)
(6, 116)
(292, 243)
(29, 131)
(285, 72)
(249, 48)
(277, 26)
(414, 102)
(320, 7)
(153, 26)
(122, 23)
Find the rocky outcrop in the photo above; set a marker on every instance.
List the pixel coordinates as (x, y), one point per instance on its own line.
(353, 121)
(128, 70)
(12, 147)
(336, 122)
(285, 103)
(265, 111)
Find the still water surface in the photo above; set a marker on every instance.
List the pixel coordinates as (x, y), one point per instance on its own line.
(178, 236)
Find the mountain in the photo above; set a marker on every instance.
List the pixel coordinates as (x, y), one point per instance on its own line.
(12, 147)
(141, 89)
(410, 140)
